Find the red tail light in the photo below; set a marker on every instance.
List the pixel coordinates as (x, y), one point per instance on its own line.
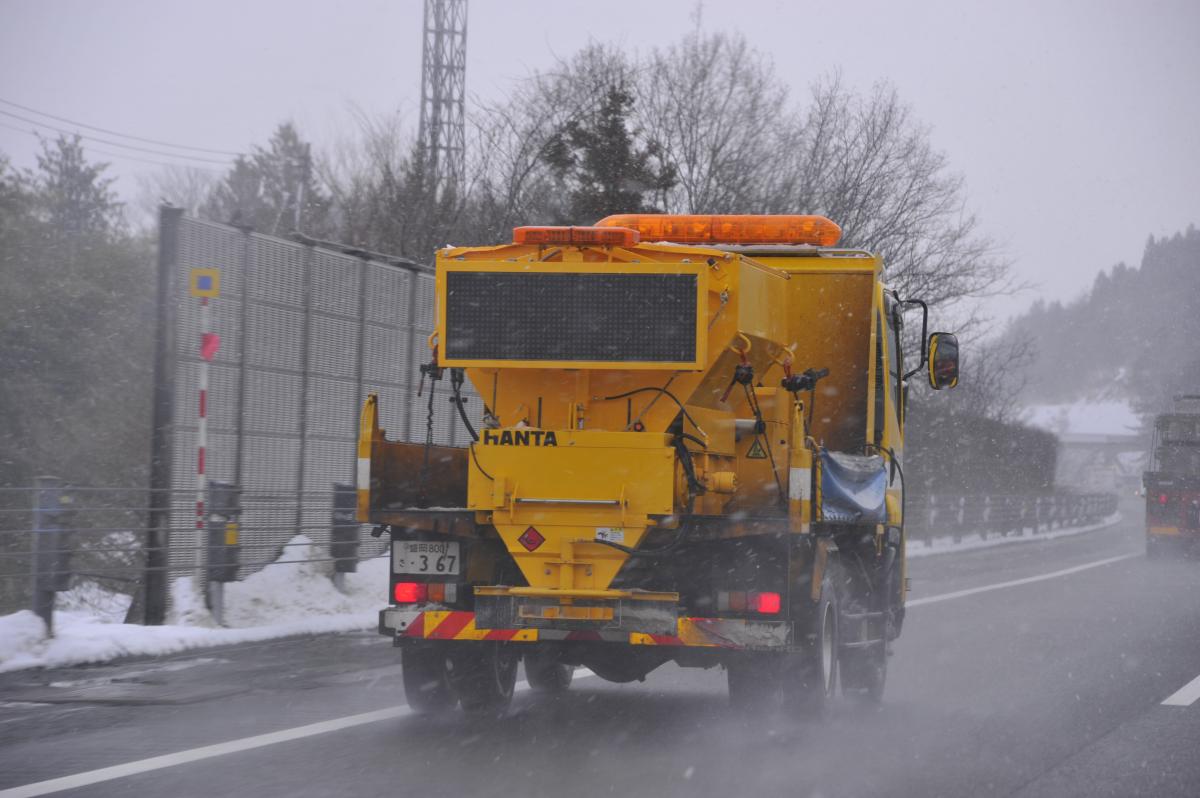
(410, 592)
(1163, 498)
(767, 603)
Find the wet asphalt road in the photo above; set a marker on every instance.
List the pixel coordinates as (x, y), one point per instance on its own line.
(1047, 688)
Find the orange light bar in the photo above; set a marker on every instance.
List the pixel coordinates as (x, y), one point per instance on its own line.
(729, 228)
(607, 236)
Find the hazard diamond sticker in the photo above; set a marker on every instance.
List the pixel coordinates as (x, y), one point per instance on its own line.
(531, 539)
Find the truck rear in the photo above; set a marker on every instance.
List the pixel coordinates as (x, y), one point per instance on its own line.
(692, 452)
(1172, 484)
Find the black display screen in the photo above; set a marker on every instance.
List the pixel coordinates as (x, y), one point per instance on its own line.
(649, 318)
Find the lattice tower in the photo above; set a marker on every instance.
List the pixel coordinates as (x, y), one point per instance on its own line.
(443, 85)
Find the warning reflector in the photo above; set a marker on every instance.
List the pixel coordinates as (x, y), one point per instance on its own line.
(757, 452)
(531, 539)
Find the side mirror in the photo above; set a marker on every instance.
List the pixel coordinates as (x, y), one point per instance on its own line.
(943, 360)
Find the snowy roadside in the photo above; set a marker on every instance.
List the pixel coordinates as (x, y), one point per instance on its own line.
(288, 597)
(971, 542)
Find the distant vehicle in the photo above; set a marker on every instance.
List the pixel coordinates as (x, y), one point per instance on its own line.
(1173, 482)
(691, 452)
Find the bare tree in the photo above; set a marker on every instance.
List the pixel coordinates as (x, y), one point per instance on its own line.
(182, 186)
(510, 139)
(866, 163)
(712, 106)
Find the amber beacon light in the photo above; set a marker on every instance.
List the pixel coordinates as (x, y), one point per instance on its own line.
(607, 236)
(816, 231)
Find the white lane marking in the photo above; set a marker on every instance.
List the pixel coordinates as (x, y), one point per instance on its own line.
(219, 749)
(1015, 582)
(1185, 696)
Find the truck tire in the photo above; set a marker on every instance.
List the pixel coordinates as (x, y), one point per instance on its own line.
(426, 679)
(484, 676)
(546, 674)
(811, 672)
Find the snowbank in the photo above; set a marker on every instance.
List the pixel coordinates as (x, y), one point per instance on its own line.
(286, 598)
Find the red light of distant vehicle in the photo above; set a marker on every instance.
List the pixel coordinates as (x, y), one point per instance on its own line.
(1162, 498)
(410, 592)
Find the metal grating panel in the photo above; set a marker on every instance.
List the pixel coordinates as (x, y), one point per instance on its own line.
(277, 274)
(335, 283)
(387, 294)
(423, 319)
(559, 316)
(386, 354)
(327, 414)
(276, 403)
(332, 346)
(288, 468)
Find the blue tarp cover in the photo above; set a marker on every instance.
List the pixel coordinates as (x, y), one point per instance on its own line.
(853, 488)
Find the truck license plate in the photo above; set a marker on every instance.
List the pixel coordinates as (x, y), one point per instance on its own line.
(425, 557)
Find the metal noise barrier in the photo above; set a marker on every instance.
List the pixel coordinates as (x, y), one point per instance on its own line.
(307, 329)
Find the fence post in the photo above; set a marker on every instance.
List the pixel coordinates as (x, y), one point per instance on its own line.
(960, 519)
(343, 538)
(158, 526)
(51, 546)
(224, 499)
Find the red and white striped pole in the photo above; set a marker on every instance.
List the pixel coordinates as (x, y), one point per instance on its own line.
(202, 415)
(205, 284)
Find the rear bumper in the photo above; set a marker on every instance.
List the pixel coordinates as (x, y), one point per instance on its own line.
(726, 633)
(1176, 532)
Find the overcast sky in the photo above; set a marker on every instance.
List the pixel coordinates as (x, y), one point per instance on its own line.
(1075, 124)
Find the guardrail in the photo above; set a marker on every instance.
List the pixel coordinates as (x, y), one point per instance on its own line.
(955, 516)
(53, 535)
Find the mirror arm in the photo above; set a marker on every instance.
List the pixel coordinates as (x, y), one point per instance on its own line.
(924, 334)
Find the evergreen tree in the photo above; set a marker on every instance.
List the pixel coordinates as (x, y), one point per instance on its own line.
(76, 321)
(274, 189)
(606, 172)
(72, 194)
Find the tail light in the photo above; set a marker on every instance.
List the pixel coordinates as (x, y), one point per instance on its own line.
(410, 592)
(765, 603)
(1163, 499)
(417, 592)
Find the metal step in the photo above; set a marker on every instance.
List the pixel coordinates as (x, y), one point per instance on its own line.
(856, 644)
(858, 616)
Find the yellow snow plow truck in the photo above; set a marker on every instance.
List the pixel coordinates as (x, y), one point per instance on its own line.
(691, 451)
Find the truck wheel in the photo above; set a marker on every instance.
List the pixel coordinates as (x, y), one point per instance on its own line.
(810, 678)
(484, 676)
(546, 674)
(426, 679)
